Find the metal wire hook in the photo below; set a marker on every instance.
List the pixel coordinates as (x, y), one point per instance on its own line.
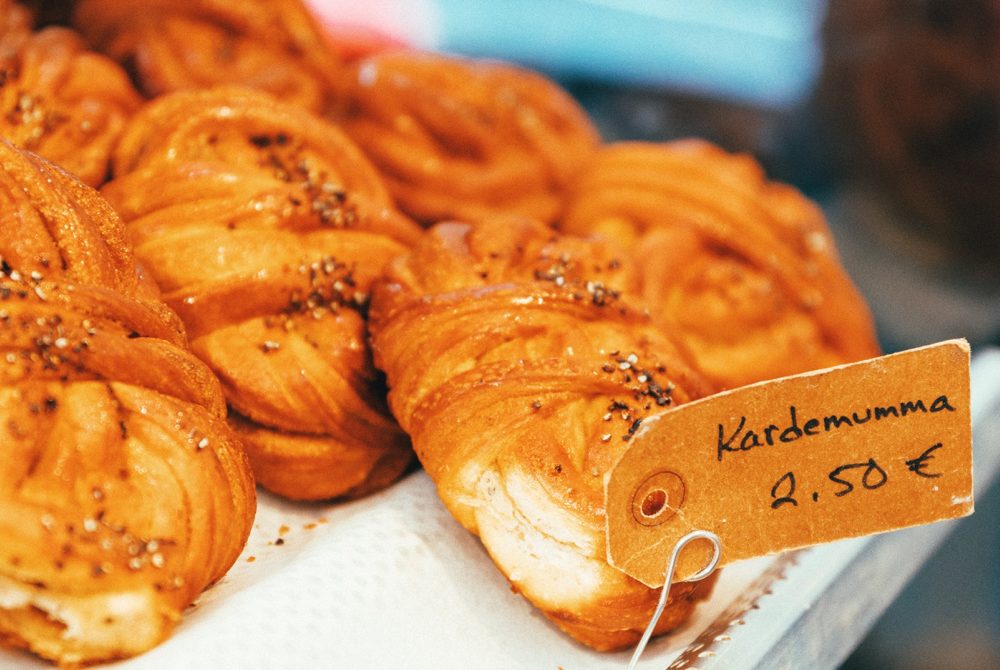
(669, 575)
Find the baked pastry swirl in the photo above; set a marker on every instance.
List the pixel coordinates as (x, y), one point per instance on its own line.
(170, 45)
(521, 370)
(58, 99)
(265, 226)
(463, 139)
(123, 493)
(742, 271)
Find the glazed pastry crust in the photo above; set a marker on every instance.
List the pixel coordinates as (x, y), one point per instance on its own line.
(60, 100)
(123, 492)
(742, 270)
(520, 368)
(272, 45)
(265, 227)
(464, 139)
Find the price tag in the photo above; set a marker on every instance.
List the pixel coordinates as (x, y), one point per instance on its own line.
(847, 451)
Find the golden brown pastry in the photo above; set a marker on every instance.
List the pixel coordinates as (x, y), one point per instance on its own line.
(265, 226)
(123, 493)
(521, 370)
(742, 271)
(465, 139)
(15, 24)
(170, 45)
(58, 99)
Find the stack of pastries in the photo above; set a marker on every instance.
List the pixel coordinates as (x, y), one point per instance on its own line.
(311, 233)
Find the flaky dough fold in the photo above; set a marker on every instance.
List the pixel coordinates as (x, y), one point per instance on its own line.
(521, 368)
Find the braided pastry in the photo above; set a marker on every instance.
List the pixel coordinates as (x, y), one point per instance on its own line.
(465, 139)
(521, 371)
(265, 227)
(170, 45)
(743, 271)
(60, 100)
(123, 493)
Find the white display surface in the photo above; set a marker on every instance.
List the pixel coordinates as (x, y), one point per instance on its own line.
(393, 581)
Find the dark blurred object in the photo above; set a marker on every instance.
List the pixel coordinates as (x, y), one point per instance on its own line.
(655, 115)
(910, 92)
(49, 12)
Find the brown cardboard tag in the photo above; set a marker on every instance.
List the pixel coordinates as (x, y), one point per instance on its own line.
(846, 451)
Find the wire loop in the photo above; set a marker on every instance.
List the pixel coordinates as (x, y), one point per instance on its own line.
(669, 575)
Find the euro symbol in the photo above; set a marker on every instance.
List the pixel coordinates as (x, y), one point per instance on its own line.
(917, 465)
